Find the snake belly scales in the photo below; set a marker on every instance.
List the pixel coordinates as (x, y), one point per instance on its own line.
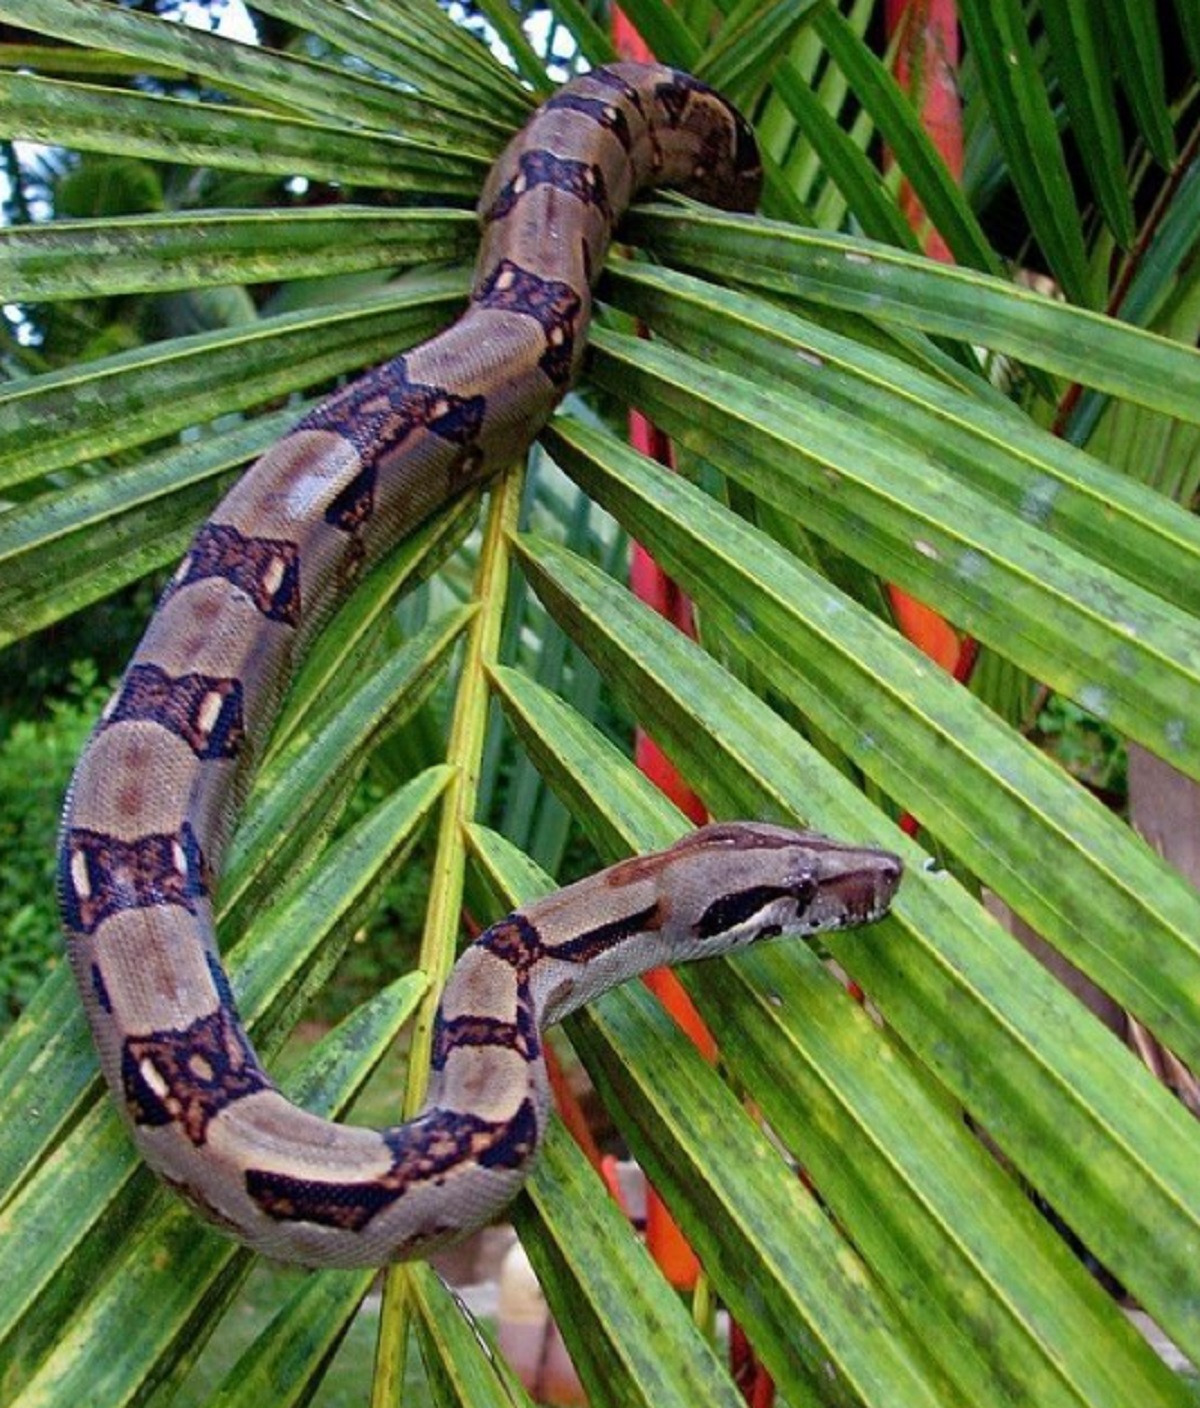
(150, 805)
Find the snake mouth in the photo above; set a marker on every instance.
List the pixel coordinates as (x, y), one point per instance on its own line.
(858, 895)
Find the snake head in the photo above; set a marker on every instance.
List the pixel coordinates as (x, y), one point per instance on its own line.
(742, 881)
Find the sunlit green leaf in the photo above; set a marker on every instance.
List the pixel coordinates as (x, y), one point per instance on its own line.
(285, 81)
(145, 254)
(1067, 1102)
(86, 412)
(416, 43)
(983, 445)
(463, 1367)
(97, 119)
(897, 287)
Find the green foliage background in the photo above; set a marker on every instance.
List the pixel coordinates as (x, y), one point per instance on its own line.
(273, 224)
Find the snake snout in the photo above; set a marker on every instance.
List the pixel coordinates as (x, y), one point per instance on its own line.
(856, 886)
(866, 892)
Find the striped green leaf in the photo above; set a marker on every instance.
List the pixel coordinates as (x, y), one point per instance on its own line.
(751, 1221)
(82, 414)
(754, 34)
(922, 1274)
(96, 119)
(844, 163)
(990, 1292)
(288, 81)
(1066, 1102)
(1137, 49)
(985, 445)
(283, 1363)
(1189, 24)
(417, 44)
(147, 1320)
(463, 1368)
(905, 289)
(1051, 610)
(984, 1284)
(277, 966)
(1020, 104)
(1164, 276)
(1079, 44)
(64, 550)
(773, 1255)
(155, 253)
(59, 61)
(901, 721)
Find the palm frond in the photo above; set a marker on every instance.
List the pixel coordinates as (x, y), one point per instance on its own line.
(841, 419)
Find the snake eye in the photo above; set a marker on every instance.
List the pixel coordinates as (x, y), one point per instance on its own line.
(803, 890)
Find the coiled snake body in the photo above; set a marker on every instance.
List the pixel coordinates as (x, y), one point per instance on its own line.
(149, 807)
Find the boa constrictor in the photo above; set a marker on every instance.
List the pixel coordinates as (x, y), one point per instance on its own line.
(150, 805)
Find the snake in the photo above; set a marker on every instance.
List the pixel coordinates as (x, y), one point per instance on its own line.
(157, 786)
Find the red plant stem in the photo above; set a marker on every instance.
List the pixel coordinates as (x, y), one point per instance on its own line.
(652, 585)
(568, 1106)
(927, 64)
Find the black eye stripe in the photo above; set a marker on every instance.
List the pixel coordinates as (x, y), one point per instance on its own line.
(740, 905)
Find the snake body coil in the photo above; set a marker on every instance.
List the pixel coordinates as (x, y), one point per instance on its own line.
(149, 808)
